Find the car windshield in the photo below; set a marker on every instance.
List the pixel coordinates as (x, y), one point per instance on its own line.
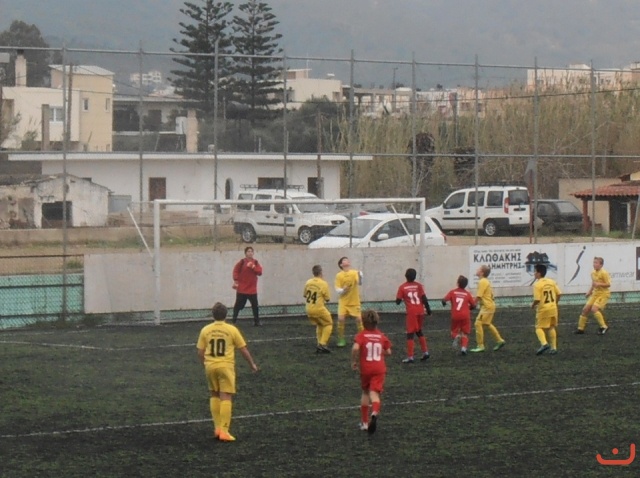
(357, 228)
(567, 207)
(313, 207)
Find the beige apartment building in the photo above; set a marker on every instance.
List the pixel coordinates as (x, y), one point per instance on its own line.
(95, 89)
(37, 115)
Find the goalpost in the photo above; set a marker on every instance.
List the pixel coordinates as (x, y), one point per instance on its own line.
(212, 207)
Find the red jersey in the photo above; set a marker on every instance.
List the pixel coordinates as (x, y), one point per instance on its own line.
(247, 276)
(461, 303)
(411, 293)
(372, 343)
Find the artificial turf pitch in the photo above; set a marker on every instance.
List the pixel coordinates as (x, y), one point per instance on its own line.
(132, 401)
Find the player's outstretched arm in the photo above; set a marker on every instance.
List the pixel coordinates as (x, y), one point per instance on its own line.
(247, 356)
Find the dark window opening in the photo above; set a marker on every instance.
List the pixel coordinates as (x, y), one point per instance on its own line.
(52, 215)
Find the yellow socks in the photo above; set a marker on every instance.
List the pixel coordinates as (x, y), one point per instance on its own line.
(341, 329)
(541, 336)
(479, 334)
(600, 318)
(495, 333)
(582, 322)
(359, 325)
(214, 406)
(553, 338)
(225, 415)
(325, 334)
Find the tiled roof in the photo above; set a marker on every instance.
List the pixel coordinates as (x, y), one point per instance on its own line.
(624, 189)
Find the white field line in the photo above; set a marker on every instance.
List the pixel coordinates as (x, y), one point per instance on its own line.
(322, 410)
(249, 341)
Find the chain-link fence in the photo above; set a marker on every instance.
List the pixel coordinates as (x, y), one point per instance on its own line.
(106, 133)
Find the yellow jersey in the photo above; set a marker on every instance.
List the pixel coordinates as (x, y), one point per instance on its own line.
(220, 341)
(546, 292)
(350, 279)
(601, 276)
(485, 293)
(316, 293)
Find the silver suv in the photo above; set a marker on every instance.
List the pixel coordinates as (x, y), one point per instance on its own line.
(500, 208)
(305, 222)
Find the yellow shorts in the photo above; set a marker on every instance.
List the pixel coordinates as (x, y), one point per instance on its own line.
(485, 317)
(600, 301)
(320, 317)
(221, 379)
(349, 311)
(546, 322)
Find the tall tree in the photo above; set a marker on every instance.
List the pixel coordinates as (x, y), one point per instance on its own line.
(21, 34)
(207, 24)
(257, 78)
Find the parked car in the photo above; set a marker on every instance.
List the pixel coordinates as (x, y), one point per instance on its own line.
(559, 215)
(500, 208)
(304, 222)
(381, 230)
(360, 209)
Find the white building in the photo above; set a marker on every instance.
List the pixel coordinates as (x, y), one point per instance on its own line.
(152, 77)
(36, 201)
(186, 176)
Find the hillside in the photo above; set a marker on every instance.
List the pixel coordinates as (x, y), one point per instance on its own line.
(499, 31)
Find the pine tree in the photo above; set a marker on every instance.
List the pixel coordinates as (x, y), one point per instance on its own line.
(22, 34)
(257, 82)
(208, 24)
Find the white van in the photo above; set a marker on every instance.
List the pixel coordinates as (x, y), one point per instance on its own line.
(500, 208)
(305, 222)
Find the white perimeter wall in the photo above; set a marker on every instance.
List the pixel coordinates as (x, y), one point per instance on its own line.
(125, 282)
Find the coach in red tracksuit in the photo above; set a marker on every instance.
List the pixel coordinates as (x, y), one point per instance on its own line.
(245, 282)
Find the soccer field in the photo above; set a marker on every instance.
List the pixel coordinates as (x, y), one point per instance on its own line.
(132, 401)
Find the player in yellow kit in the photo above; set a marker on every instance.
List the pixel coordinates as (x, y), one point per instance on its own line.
(316, 293)
(347, 286)
(217, 344)
(598, 296)
(546, 295)
(487, 311)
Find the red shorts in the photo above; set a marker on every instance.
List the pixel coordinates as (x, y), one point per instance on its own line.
(460, 325)
(414, 322)
(372, 382)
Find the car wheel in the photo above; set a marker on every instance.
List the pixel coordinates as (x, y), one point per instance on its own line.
(490, 228)
(248, 233)
(304, 235)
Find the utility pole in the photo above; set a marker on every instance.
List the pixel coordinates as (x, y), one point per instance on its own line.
(319, 180)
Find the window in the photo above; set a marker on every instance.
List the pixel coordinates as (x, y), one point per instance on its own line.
(107, 104)
(519, 197)
(455, 201)
(262, 207)
(270, 183)
(413, 226)
(472, 196)
(85, 104)
(494, 199)
(56, 114)
(280, 208)
(245, 197)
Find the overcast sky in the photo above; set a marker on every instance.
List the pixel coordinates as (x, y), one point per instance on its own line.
(500, 32)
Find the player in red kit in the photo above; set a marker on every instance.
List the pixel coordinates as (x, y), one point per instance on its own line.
(416, 303)
(368, 352)
(462, 303)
